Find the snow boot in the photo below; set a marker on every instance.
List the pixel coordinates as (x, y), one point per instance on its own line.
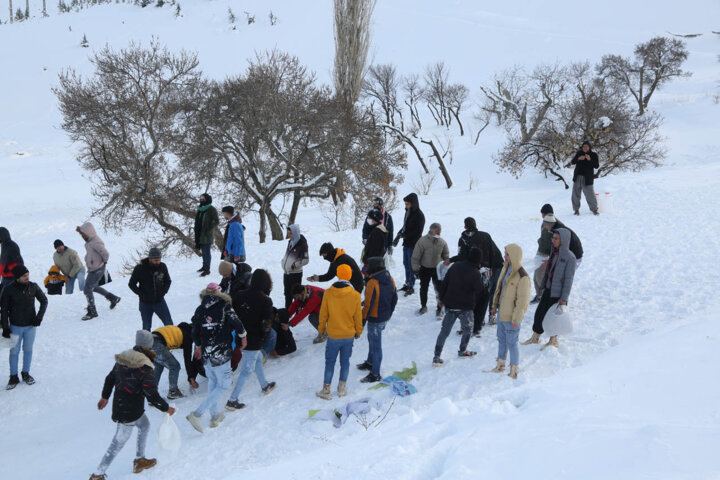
(466, 354)
(534, 339)
(268, 388)
(513, 372)
(91, 313)
(342, 391)
(370, 378)
(499, 368)
(95, 476)
(201, 269)
(321, 337)
(553, 342)
(577, 212)
(233, 405)
(404, 288)
(13, 382)
(439, 313)
(194, 421)
(142, 463)
(325, 392)
(217, 420)
(174, 393)
(437, 362)
(364, 366)
(595, 212)
(409, 291)
(114, 300)
(27, 378)
(422, 311)
(476, 334)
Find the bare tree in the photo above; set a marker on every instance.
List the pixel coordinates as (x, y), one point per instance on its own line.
(441, 163)
(656, 62)
(352, 43)
(381, 84)
(413, 94)
(435, 92)
(457, 94)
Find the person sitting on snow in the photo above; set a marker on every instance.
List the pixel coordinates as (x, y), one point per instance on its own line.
(55, 281)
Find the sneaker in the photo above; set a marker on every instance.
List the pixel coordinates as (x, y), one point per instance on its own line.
(194, 421)
(466, 354)
(217, 420)
(422, 311)
(476, 334)
(174, 393)
(437, 362)
(364, 366)
(404, 288)
(233, 405)
(439, 313)
(595, 212)
(268, 388)
(370, 378)
(577, 212)
(27, 378)
(320, 338)
(409, 291)
(201, 269)
(535, 300)
(142, 463)
(13, 382)
(96, 476)
(90, 314)
(205, 273)
(325, 393)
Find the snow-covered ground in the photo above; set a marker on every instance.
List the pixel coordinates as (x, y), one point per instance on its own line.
(631, 393)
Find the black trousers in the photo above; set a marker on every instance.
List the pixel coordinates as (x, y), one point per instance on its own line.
(481, 308)
(427, 274)
(545, 303)
(290, 279)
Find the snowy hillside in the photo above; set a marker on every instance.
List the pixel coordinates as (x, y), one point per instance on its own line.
(632, 393)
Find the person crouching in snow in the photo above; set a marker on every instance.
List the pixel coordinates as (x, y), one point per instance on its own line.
(380, 300)
(341, 317)
(172, 337)
(306, 303)
(133, 378)
(55, 281)
(511, 300)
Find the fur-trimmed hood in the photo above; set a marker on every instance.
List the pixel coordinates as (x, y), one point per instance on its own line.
(212, 293)
(133, 359)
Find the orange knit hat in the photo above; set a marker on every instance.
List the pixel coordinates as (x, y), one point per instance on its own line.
(344, 272)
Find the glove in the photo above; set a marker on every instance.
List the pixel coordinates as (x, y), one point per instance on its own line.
(6, 333)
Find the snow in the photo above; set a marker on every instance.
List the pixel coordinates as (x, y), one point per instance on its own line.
(632, 393)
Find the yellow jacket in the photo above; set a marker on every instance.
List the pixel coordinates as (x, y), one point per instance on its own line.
(516, 292)
(341, 312)
(60, 277)
(173, 336)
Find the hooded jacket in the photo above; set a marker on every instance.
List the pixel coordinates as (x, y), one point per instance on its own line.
(150, 282)
(255, 309)
(206, 219)
(296, 254)
(180, 336)
(376, 242)
(461, 286)
(414, 222)
(341, 312)
(380, 297)
(544, 242)
(18, 305)
(310, 304)
(54, 284)
(133, 378)
(428, 252)
(387, 221)
(240, 279)
(234, 240)
(9, 254)
(575, 245)
(96, 255)
(69, 262)
(586, 168)
(512, 298)
(561, 271)
(342, 258)
(489, 252)
(212, 326)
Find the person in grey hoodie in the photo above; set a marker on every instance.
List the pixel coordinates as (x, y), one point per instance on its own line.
(96, 258)
(296, 257)
(558, 283)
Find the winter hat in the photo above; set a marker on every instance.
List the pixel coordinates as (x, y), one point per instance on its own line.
(58, 243)
(474, 256)
(326, 248)
(375, 214)
(378, 201)
(586, 143)
(154, 252)
(225, 269)
(228, 209)
(470, 223)
(375, 264)
(283, 315)
(143, 339)
(18, 271)
(213, 287)
(547, 208)
(344, 272)
(549, 219)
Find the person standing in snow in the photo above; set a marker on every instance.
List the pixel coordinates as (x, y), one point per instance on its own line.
(337, 257)
(459, 292)
(96, 258)
(543, 252)
(150, 281)
(234, 238)
(171, 337)
(380, 300)
(133, 379)
(385, 220)
(377, 237)
(17, 312)
(306, 303)
(585, 161)
(411, 231)
(511, 300)
(341, 318)
(9, 258)
(206, 219)
(212, 326)
(296, 257)
(69, 263)
(429, 251)
(558, 283)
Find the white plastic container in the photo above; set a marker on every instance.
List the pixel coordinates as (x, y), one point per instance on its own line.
(605, 202)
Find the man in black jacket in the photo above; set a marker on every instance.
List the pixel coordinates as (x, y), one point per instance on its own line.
(459, 292)
(411, 231)
(585, 161)
(377, 236)
(133, 379)
(150, 281)
(9, 257)
(337, 257)
(386, 221)
(19, 318)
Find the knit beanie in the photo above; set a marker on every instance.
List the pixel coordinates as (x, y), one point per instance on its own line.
(212, 286)
(225, 269)
(547, 208)
(58, 243)
(549, 219)
(326, 248)
(344, 272)
(375, 264)
(375, 214)
(18, 271)
(470, 223)
(155, 252)
(143, 339)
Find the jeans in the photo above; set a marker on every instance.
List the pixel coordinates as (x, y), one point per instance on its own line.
(205, 249)
(160, 308)
(374, 336)
(165, 359)
(251, 360)
(508, 340)
(290, 279)
(342, 346)
(466, 319)
(26, 337)
(91, 285)
(407, 262)
(219, 380)
(269, 343)
(122, 435)
(546, 301)
(427, 274)
(70, 285)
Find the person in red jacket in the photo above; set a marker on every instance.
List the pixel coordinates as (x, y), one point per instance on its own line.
(306, 303)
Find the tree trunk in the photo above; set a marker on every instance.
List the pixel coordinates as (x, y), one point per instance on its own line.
(263, 225)
(441, 164)
(27, 9)
(409, 141)
(294, 208)
(276, 230)
(44, 10)
(11, 11)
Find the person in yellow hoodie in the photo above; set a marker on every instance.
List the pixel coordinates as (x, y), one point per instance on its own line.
(54, 281)
(511, 298)
(341, 319)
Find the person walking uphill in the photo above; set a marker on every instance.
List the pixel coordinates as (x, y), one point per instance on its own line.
(411, 231)
(429, 251)
(296, 257)
(234, 238)
(150, 281)
(558, 283)
(96, 258)
(9, 257)
(511, 300)
(17, 312)
(133, 379)
(206, 219)
(585, 161)
(69, 263)
(337, 257)
(341, 318)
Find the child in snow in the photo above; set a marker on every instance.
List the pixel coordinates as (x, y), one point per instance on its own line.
(55, 281)
(133, 378)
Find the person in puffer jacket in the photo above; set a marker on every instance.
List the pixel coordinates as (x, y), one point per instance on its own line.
(96, 259)
(55, 281)
(295, 258)
(429, 251)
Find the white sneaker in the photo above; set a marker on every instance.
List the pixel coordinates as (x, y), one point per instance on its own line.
(216, 420)
(195, 422)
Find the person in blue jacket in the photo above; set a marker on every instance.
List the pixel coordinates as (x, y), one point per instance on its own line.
(234, 244)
